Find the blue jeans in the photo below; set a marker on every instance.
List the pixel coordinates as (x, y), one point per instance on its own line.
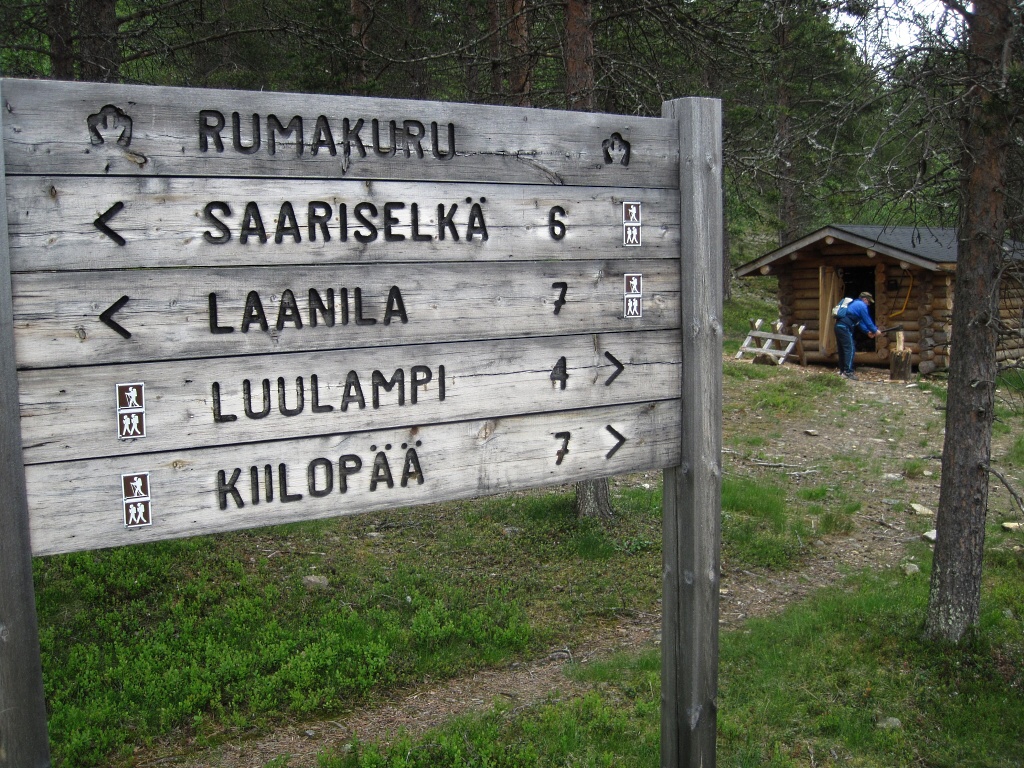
(844, 340)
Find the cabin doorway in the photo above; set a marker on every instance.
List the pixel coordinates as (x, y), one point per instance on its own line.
(855, 281)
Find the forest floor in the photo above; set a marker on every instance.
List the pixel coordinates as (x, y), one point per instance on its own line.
(911, 431)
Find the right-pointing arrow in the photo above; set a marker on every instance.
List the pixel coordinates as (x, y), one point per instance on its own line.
(619, 368)
(107, 316)
(618, 437)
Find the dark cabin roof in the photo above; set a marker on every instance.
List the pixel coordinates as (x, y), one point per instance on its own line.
(930, 248)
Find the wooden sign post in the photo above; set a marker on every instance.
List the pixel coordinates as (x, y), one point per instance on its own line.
(224, 310)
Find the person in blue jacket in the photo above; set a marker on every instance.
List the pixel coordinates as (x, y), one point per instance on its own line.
(857, 316)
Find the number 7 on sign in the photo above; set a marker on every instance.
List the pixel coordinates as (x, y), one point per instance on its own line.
(560, 301)
(564, 437)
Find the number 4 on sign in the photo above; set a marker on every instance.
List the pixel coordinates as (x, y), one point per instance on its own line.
(559, 374)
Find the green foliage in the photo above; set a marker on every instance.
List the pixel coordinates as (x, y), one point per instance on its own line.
(913, 468)
(585, 731)
(216, 633)
(758, 528)
(1015, 455)
(791, 394)
(140, 640)
(852, 658)
(810, 686)
(817, 493)
(832, 522)
(751, 299)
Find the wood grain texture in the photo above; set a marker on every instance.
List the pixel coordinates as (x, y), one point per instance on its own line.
(481, 380)
(117, 197)
(57, 316)
(692, 506)
(23, 737)
(164, 222)
(81, 507)
(46, 130)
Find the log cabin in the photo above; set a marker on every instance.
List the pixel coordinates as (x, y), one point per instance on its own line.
(910, 272)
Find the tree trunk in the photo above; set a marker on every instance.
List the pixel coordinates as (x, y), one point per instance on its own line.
(495, 48)
(955, 593)
(99, 47)
(579, 55)
(520, 79)
(593, 499)
(418, 74)
(359, 31)
(59, 29)
(788, 214)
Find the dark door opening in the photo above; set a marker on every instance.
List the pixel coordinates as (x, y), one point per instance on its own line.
(855, 281)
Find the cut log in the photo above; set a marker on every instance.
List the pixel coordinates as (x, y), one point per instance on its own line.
(899, 366)
(899, 361)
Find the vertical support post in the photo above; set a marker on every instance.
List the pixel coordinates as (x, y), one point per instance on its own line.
(23, 738)
(693, 492)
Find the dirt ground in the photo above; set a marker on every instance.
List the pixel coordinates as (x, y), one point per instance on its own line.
(882, 529)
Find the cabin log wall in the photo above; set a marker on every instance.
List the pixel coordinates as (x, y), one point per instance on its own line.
(925, 315)
(916, 295)
(1011, 319)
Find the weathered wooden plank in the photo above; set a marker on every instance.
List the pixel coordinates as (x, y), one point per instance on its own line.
(107, 129)
(23, 738)
(168, 222)
(204, 403)
(692, 498)
(765, 335)
(81, 507)
(170, 313)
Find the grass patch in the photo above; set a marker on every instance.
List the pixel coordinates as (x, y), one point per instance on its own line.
(212, 636)
(808, 687)
(746, 371)
(914, 468)
(817, 493)
(821, 678)
(1015, 454)
(758, 527)
(778, 392)
(832, 523)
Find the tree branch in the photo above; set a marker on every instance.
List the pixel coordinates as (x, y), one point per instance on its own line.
(1016, 496)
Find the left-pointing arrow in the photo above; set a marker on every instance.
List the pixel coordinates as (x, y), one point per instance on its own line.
(101, 222)
(108, 315)
(617, 436)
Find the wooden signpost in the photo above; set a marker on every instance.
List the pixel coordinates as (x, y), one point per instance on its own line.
(224, 310)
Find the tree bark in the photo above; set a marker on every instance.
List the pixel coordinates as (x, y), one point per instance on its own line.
(579, 55)
(99, 41)
(788, 217)
(495, 48)
(520, 79)
(955, 591)
(359, 31)
(593, 499)
(419, 78)
(59, 29)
